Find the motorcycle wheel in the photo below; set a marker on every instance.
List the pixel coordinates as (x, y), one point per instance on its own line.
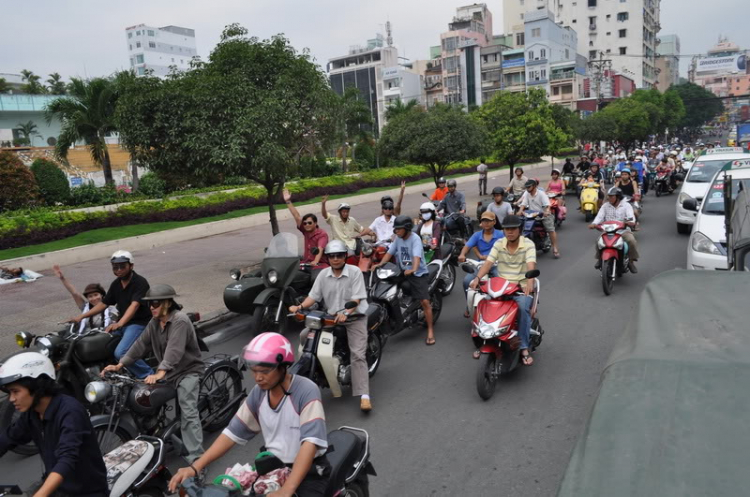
(263, 317)
(589, 216)
(608, 281)
(8, 416)
(374, 353)
(658, 190)
(150, 492)
(358, 488)
(485, 383)
(108, 440)
(220, 386)
(448, 277)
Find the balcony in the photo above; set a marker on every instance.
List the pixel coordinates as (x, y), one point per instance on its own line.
(537, 61)
(562, 76)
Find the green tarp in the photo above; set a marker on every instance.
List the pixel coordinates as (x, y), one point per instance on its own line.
(672, 417)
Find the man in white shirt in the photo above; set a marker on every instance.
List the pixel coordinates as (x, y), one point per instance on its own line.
(482, 170)
(617, 209)
(535, 199)
(382, 226)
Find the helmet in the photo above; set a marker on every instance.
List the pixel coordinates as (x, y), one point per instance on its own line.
(403, 222)
(122, 256)
(555, 171)
(618, 174)
(673, 152)
(451, 182)
(335, 247)
(530, 183)
(626, 170)
(615, 191)
(427, 206)
(94, 288)
(160, 292)
(388, 204)
(512, 221)
(268, 349)
(498, 190)
(386, 198)
(344, 205)
(441, 180)
(25, 365)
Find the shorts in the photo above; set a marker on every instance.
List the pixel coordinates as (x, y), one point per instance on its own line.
(549, 223)
(418, 286)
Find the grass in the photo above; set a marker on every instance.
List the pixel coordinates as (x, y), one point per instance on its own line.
(108, 234)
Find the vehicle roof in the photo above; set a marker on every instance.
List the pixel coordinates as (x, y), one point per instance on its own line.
(670, 415)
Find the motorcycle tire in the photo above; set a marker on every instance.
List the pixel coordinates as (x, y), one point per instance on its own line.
(358, 488)
(108, 440)
(485, 383)
(608, 281)
(374, 353)
(589, 217)
(8, 416)
(263, 318)
(448, 278)
(221, 385)
(658, 191)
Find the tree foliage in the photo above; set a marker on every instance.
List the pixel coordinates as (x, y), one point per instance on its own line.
(354, 117)
(4, 86)
(18, 187)
(29, 131)
(32, 85)
(701, 106)
(53, 183)
(399, 107)
(433, 138)
(56, 84)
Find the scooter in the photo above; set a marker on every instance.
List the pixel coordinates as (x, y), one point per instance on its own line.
(533, 229)
(325, 357)
(590, 200)
(559, 211)
(494, 326)
(138, 468)
(614, 253)
(571, 181)
(661, 184)
(450, 261)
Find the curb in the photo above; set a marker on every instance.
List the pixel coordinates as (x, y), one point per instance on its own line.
(103, 250)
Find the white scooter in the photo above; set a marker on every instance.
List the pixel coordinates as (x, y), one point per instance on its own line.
(472, 296)
(137, 468)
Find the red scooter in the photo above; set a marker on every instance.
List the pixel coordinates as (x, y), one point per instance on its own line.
(494, 327)
(558, 210)
(614, 252)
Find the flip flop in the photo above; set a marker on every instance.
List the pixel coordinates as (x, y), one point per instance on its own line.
(556, 254)
(527, 359)
(429, 341)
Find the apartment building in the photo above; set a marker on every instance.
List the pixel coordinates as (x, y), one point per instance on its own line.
(668, 61)
(159, 49)
(723, 70)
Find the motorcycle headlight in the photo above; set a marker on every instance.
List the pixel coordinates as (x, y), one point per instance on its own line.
(273, 277)
(96, 391)
(703, 244)
(44, 346)
(24, 339)
(313, 322)
(385, 273)
(682, 197)
(367, 250)
(491, 330)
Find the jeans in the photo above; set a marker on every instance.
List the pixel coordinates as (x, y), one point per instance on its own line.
(129, 334)
(524, 319)
(471, 276)
(456, 223)
(190, 421)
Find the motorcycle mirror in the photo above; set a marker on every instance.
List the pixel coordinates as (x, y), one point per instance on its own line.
(315, 251)
(235, 274)
(350, 305)
(425, 195)
(534, 273)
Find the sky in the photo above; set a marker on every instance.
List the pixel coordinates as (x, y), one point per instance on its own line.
(86, 38)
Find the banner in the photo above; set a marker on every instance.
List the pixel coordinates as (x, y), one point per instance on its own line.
(734, 63)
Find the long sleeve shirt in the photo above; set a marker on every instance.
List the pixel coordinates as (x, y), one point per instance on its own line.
(453, 202)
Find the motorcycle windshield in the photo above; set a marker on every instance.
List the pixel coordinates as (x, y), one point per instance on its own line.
(283, 245)
(281, 261)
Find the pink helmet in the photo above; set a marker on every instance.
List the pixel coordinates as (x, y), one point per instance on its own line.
(268, 349)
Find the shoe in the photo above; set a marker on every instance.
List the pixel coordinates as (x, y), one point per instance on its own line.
(365, 405)
(631, 266)
(598, 264)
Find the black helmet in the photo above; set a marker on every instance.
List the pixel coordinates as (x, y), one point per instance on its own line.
(615, 191)
(498, 190)
(388, 204)
(512, 222)
(403, 222)
(451, 182)
(530, 183)
(386, 198)
(441, 180)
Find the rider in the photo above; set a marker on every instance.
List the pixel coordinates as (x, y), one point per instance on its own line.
(407, 248)
(568, 167)
(343, 226)
(441, 191)
(170, 337)
(126, 292)
(57, 424)
(92, 295)
(337, 285)
(454, 203)
(287, 410)
(617, 209)
(516, 186)
(498, 207)
(556, 185)
(314, 236)
(512, 257)
(536, 200)
(628, 185)
(382, 226)
(428, 228)
(480, 244)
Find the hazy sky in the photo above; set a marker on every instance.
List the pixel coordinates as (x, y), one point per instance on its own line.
(87, 37)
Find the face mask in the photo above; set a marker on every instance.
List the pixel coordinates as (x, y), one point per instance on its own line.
(427, 216)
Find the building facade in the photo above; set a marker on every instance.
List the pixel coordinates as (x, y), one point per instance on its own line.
(723, 70)
(160, 49)
(668, 62)
(21, 109)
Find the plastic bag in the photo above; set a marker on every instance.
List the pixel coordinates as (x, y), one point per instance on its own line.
(247, 476)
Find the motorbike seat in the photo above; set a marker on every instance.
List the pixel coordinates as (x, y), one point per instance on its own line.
(125, 464)
(112, 346)
(432, 270)
(347, 450)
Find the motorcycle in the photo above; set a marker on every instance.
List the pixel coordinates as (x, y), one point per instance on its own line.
(559, 211)
(324, 357)
(571, 181)
(609, 174)
(10, 490)
(533, 229)
(450, 261)
(661, 184)
(650, 179)
(138, 468)
(133, 408)
(614, 253)
(590, 200)
(635, 202)
(349, 457)
(495, 325)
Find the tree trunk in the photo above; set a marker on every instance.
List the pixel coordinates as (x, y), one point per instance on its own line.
(343, 157)
(512, 169)
(270, 201)
(107, 168)
(134, 174)
(354, 151)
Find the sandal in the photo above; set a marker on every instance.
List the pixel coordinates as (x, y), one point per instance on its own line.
(429, 341)
(527, 359)
(466, 314)
(556, 254)
(476, 354)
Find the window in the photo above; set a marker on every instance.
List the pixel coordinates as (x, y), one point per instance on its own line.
(520, 39)
(567, 89)
(137, 44)
(181, 61)
(450, 44)
(172, 59)
(592, 54)
(623, 33)
(609, 33)
(622, 16)
(141, 71)
(536, 32)
(567, 53)
(139, 59)
(150, 32)
(591, 43)
(138, 33)
(608, 16)
(130, 47)
(130, 35)
(575, 21)
(622, 1)
(609, 50)
(592, 3)
(451, 64)
(592, 20)
(623, 50)
(151, 44)
(451, 82)
(543, 54)
(132, 62)
(531, 55)
(485, 59)
(544, 74)
(556, 90)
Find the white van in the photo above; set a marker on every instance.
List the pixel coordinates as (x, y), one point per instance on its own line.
(699, 175)
(708, 242)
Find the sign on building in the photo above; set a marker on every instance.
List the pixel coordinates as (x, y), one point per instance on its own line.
(734, 63)
(390, 72)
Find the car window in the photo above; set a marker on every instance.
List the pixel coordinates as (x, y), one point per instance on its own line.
(703, 170)
(714, 201)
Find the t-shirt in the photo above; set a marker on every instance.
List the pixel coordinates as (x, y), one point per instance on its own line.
(345, 231)
(512, 267)
(134, 292)
(404, 251)
(315, 238)
(537, 202)
(298, 418)
(482, 170)
(337, 291)
(439, 193)
(477, 240)
(501, 211)
(518, 185)
(383, 228)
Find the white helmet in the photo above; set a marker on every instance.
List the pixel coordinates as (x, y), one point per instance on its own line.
(122, 256)
(427, 206)
(672, 153)
(25, 365)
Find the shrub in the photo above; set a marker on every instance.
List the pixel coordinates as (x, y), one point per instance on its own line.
(86, 194)
(53, 183)
(152, 186)
(18, 186)
(234, 181)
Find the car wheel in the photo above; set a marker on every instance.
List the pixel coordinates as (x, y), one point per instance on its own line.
(683, 229)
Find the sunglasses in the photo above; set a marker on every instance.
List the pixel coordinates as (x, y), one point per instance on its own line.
(486, 219)
(387, 208)
(337, 256)
(154, 304)
(120, 265)
(308, 223)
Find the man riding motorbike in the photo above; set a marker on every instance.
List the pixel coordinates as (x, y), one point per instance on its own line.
(171, 338)
(499, 207)
(441, 191)
(454, 202)
(343, 227)
(287, 410)
(314, 236)
(512, 257)
(516, 185)
(337, 285)
(536, 200)
(617, 209)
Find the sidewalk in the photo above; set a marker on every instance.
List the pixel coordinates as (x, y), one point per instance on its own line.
(198, 268)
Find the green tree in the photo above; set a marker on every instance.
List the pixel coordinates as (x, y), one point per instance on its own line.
(4, 86)
(56, 84)
(433, 138)
(601, 126)
(674, 110)
(53, 183)
(521, 125)
(633, 119)
(33, 85)
(249, 111)
(86, 114)
(701, 107)
(399, 107)
(354, 116)
(29, 131)
(18, 187)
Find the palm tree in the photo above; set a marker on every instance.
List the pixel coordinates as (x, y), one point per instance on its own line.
(398, 107)
(56, 84)
(87, 114)
(4, 87)
(32, 86)
(355, 115)
(29, 130)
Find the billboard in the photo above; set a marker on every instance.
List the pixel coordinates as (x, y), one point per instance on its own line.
(733, 63)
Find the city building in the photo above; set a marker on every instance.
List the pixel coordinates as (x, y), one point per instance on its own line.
(514, 70)
(13, 81)
(21, 109)
(433, 82)
(668, 62)
(723, 71)
(401, 83)
(611, 87)
(159, 49)
(621, 31)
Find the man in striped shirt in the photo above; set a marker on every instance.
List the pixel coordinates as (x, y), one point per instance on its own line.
(513, 256)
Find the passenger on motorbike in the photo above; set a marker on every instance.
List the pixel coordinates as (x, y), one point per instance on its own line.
(382, 226)
(454, 202)
(337, 285)
(556, 185)
(512, 257)
(536, 200)
(480, 245)
(428, 228)
(441, 191)
(407, 248)
(314, 236)
(343, 226)
(617, 209)
(516, 185)
(287, 410)
(568, 167)
(57, 424)
(126, 292)
(584, 164)
(170, 337)
(91, 296)
(499, 207)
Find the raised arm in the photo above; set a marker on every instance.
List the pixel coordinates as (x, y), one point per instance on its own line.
(79, 299)
(292, 208)
(323, 211)
(397, 208)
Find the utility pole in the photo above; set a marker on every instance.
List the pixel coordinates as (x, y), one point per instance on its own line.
(599, 68)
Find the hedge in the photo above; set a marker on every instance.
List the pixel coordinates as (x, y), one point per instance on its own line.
(45, 225)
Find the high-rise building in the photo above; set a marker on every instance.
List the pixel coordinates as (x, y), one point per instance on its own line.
(722, 70)
(159, 49)
(668, 62)
(621, 31)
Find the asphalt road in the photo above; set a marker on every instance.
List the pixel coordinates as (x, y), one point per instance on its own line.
(431, 432)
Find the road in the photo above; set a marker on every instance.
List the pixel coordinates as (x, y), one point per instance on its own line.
(433, 435)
